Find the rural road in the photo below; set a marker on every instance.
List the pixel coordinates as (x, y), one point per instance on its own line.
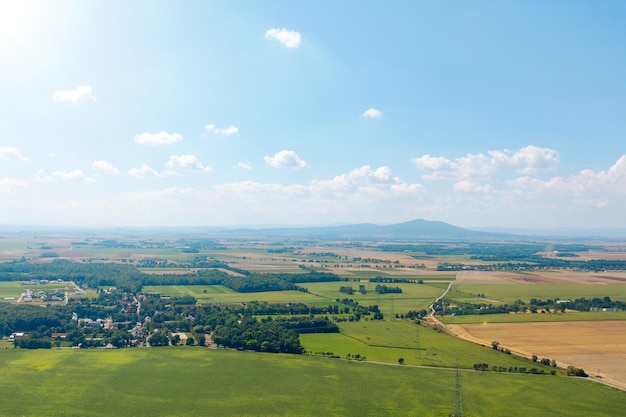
(432, 309)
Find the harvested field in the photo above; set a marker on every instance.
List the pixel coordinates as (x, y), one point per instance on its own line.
(541, 277)
(599, 347)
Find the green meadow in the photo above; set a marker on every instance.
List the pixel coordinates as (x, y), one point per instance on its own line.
(184, 381)
(10, 289)
(413, 297)
(387, 341)
(509, 293)
(208, 294)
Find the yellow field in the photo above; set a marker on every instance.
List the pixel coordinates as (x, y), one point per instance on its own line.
(599, 347)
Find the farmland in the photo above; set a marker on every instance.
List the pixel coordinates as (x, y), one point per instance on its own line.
(358, 307)
(195, 381)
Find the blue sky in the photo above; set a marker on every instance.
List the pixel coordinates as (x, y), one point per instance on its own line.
(163, 113)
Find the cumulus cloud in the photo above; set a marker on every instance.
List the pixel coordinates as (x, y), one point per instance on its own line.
(76, 175)
(81, 94)
(585, 185)
(227, 131)
(161, 138)
(286, 159)
(373, 113)
(242, 165)
(105, 167)
(187, 162)
(288, 38)
(7, 152)
(146, 171)
(527, 160)
(470, 187)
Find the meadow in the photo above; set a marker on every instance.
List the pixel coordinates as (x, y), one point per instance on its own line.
(200, 381)
(387, 341)
(509, 293)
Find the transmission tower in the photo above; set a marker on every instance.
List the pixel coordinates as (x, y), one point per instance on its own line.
(457, 407)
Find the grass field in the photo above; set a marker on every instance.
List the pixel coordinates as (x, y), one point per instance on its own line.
(510, 293)
(11, 289)
(197, 381)
(413, 296)
(221, 294)
(386, 341)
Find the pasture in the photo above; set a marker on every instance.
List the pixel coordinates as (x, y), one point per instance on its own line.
(10, 289)
(510, 293)
(413, 297)
(386, 341)
(218, 294)
(200, 381)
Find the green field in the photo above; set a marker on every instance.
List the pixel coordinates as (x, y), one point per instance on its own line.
(386, 341)
(187, 381)
(10, 289)
(221, 294)
(509, 293)
(413, 296)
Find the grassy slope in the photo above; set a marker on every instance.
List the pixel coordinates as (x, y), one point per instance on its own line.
(387, 341)
(198, 381)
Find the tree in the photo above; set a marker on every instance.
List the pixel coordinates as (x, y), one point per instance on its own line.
(158, 339)
(401, 361)
(175, 340)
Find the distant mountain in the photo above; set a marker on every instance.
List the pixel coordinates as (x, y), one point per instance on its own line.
(412, 230)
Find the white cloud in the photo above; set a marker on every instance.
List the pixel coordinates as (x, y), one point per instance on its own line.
(228, 131)
(187, 162)
(104, 166)
(161, 138)
(469, 187)
(145, 171)
(80, 94)
(242, 165)
(587, 185)
(373, 113)
(288, 38)
(76, 175)
(10, 184)
(528, 160)
(7, 152)
(286, 159)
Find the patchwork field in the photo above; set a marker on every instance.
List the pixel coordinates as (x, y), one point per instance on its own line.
(599, 347)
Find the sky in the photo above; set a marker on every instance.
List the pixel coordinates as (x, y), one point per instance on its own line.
(230, 113)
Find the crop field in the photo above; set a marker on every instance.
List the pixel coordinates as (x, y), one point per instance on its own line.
(10, 289)
(506, 287)
(386, 341)
(199, 381)
(210, 294)
(598, 346)
(536, 317)
(414, 296)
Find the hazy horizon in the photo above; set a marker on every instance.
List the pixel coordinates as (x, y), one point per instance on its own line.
(214, 113)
